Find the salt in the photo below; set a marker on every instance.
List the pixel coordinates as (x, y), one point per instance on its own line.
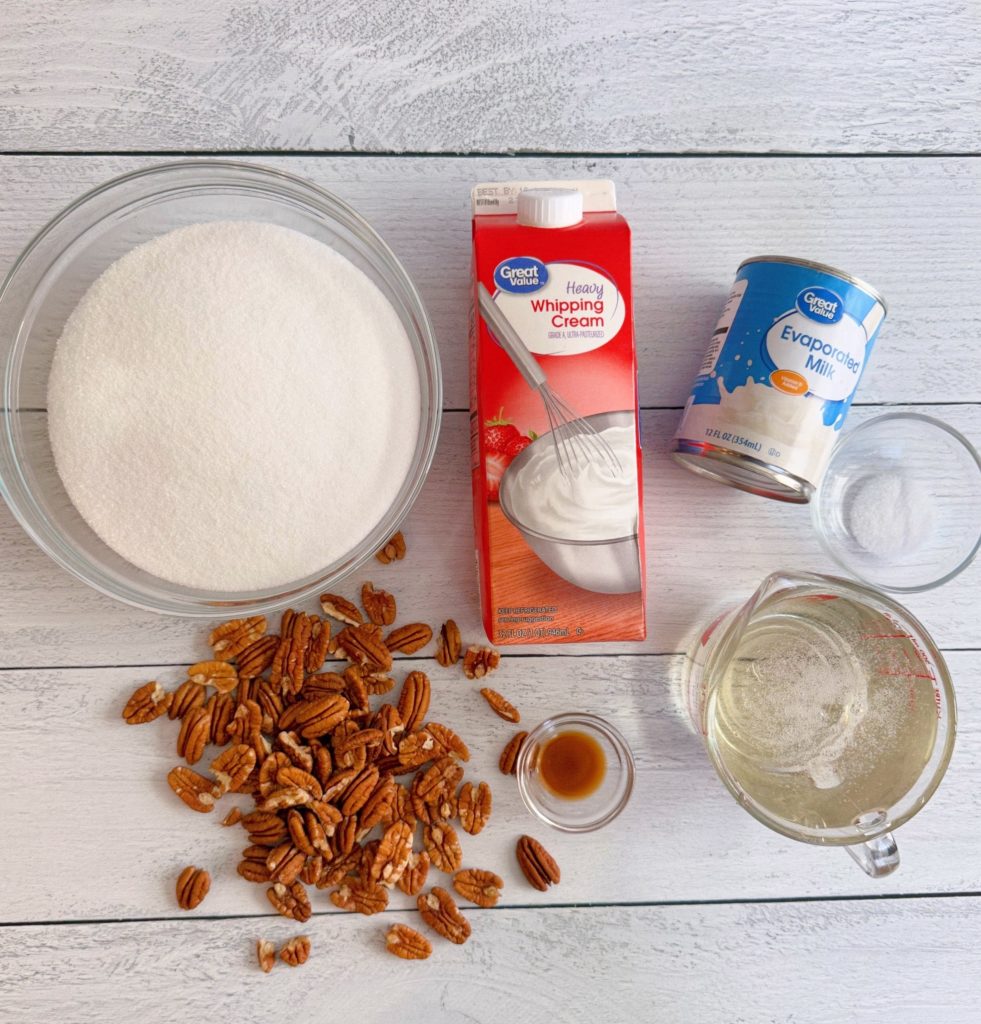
(888, 514)
(233, 406)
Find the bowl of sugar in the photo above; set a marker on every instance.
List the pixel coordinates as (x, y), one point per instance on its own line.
(899, 506)
(221, 391)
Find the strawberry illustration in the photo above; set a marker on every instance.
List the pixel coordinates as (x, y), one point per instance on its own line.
(502, 442)
(499, 433)
(518, 445)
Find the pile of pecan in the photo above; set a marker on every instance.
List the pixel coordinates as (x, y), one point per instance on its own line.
(340, 784)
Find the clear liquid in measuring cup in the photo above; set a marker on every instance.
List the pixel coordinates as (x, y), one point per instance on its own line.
(825, 711)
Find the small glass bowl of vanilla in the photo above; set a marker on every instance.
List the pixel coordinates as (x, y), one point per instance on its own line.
(575, 772)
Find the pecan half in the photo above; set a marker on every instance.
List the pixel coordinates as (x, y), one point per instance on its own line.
(323, 685)
(442, 915)
(233, 817)
(194, 735)
(290, 775)
(290, 900)
(307, 833)
(379, 807)
(355, 689)
(359, 790)
(230, 639)
(344, 839)
(407, 943)
(341, 608)
(444, 776)
(417, 748)
(252, 866)
(313, 869)
(265, 828)
(195, 790)
(257, 657)
(323, 762)
(500, 706)
(150, 701)
(363, 646)
(414, 700)
(480, 661)
(265, 953)
(365, 897)
(233, 766)
(184, 698)
(285, 862)
(414, 877)
(296, 951)
(509, 755)
(394, 549)
(480, 887)
(537, 864)
(313, 718)
(443, 846)
(221, 707)
(192, 887)
(379, 604)
(448, 644)
(218, 674)
(448, 740)
(410, 638)
(289, 663)
(393, 854)
(474, 807)
(319, 643)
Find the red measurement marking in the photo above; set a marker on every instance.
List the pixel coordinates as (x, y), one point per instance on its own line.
(886, 636)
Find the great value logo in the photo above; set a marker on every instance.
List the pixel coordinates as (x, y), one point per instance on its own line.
(521, 274)
(821, 305)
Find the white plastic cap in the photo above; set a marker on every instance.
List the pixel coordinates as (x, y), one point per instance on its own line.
(549, 207)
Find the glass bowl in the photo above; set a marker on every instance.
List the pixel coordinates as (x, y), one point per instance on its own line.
(570, 814)
(56, 269)
(899, 506)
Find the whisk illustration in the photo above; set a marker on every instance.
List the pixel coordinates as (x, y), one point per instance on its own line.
(576, 440)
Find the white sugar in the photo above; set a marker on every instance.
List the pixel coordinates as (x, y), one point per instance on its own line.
(233, 406)
(888, 515)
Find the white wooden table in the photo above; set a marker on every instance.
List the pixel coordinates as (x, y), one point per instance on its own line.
(846, 132)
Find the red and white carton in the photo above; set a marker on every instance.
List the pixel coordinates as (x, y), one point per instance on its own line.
(554, 428)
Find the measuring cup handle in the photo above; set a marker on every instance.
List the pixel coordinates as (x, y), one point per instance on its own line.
(877, 857)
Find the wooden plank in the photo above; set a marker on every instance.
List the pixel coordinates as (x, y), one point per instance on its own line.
(911, 227)
(707, 545)
(597, 77)
(86, 794)
(812, 963)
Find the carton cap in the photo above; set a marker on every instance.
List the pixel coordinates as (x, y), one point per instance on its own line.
(549, 207)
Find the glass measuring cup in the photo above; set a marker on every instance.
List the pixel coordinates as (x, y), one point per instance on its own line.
(826, 710)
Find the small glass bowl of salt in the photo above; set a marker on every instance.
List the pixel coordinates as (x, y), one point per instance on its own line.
(899, 506)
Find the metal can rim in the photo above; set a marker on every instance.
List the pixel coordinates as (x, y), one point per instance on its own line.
(825, 268)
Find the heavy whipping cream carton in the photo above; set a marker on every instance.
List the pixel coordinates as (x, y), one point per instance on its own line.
(554, 431)
(779, 377)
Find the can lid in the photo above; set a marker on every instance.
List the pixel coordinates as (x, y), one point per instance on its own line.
(549, 207)
(824, 268)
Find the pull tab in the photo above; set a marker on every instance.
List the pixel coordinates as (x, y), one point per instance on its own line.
(877, 857)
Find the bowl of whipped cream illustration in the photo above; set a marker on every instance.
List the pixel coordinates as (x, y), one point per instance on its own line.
(582, 525)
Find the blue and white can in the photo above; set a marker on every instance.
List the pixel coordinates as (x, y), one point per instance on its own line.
(779, 377)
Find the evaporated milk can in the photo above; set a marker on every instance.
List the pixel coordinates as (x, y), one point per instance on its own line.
(779, 376)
